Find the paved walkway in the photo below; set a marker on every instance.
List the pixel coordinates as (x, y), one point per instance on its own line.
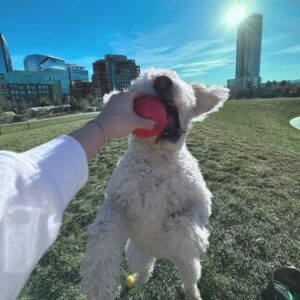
(295, 123)
(52, 118)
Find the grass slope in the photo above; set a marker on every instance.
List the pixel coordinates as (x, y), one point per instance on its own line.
(249, 156)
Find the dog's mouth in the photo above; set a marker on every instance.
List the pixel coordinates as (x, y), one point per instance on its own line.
(163, 87)
(172, 131)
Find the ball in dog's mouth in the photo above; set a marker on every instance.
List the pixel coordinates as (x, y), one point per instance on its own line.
(164, 113)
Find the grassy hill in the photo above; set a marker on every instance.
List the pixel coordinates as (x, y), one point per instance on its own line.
(250, 158)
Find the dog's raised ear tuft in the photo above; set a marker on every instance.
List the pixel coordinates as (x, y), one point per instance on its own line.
(209, 99)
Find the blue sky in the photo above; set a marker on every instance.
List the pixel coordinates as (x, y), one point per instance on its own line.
(189, 36)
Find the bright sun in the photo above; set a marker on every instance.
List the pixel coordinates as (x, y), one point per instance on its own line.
(235, 14)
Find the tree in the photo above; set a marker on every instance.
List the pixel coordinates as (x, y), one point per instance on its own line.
(282, 83)
(268, 84)
(78, 105)
(90, 99)
(278, 91)
(288, 92)
(7, 105)
(74, 103)
(22, 106)
(44, 101)
(83, 103)
(1, 104)
(56, 100)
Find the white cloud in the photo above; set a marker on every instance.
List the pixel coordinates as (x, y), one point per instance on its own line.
(195, 69)
(289, 50)
(165, 49)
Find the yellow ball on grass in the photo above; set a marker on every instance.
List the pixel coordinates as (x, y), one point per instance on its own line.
(130, 281)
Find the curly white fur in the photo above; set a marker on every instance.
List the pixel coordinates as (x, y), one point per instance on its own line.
(156, 200)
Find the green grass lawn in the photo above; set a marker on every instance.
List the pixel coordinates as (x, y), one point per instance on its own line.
(250, 158)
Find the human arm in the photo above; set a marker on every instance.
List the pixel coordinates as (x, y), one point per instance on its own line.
(37, 185)
(117, 120)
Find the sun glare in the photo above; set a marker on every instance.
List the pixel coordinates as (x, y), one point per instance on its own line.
(235, 14)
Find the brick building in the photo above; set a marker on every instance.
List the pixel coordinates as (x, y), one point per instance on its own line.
(114, 72)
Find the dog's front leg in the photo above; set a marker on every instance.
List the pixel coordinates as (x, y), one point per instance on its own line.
(188, 238)
(100, 269)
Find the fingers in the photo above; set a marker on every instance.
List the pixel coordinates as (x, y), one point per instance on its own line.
(127, 96)
(144, 123)
(135, 93)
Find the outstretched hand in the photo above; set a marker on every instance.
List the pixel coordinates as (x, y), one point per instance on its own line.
(118, 118)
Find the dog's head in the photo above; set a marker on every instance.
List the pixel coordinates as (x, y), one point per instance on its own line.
(182, 101)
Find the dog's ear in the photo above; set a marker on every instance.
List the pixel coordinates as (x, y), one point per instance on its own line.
(208, 99)
(106, 97)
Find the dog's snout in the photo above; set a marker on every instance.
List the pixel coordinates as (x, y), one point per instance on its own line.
(162, 83)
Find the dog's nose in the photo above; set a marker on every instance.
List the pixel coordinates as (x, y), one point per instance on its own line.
(162, 83)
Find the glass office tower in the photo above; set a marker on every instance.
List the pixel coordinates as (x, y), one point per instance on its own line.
(248, 47)
(38, 62)
(77, 73)
(56, 69)
(28, 86)
(5, 60)
(58, 74)
(32, 62)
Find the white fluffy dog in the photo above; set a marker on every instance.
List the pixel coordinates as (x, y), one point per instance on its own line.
(156, 199)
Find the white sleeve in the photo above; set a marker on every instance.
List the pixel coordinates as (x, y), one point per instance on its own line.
(35, 188)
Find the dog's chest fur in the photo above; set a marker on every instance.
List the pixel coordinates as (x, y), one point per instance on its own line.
(151, 193)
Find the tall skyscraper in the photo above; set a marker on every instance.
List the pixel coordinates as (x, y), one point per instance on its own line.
(5, 60)
(114, 72)
(248, 46)
(248, 53)
(57, 69)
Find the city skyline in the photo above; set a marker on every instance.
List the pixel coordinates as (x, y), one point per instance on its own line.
(190, 38)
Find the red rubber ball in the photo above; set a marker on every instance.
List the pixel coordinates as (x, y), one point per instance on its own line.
(150, 108)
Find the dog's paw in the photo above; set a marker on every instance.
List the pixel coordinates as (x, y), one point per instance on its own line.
(192, 293)
(193, 297)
